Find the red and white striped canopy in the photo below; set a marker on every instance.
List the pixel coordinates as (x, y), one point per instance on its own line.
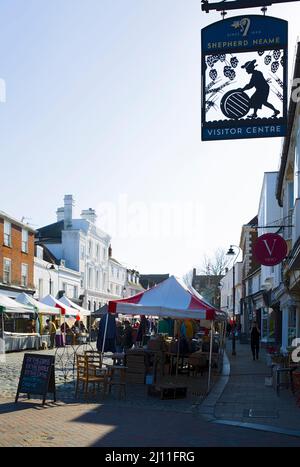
(171, 298)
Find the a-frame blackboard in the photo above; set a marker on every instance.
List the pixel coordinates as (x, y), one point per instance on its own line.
(37, 376)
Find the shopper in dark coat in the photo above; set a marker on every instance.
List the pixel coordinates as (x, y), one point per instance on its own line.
(127, 336)
(255, 334)
(110, 337)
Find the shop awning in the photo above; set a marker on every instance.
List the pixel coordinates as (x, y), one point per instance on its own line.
(65, 309)
(8, 305)
(40, 307)
(171, 298)
(80, 310)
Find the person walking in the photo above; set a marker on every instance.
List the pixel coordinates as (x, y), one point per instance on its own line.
(255, 334)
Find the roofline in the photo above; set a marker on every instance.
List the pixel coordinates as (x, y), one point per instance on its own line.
(287, 139)
(15, 221)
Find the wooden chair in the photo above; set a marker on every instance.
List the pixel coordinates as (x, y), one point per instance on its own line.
(89, 371)
(197, 364)
(117, 377)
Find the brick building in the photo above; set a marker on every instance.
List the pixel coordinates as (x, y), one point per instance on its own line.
(16, 256)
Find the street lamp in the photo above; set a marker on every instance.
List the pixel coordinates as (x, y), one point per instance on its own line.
(50, 267)
(231, 252)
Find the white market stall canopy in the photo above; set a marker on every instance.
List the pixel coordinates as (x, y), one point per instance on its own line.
(80, 310)
(40, 307)
(8, 305)
(65, 309)
(171, 298)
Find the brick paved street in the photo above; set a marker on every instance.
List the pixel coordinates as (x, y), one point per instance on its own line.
(139, 420)
(29, 424)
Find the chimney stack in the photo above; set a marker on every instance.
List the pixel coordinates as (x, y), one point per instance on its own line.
(68, 211)
(110, 251)
(89, 215)
(60, 214)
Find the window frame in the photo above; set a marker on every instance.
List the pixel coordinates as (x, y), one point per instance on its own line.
(24, 283)
(25, 242)
(8, 244)
(8, 260)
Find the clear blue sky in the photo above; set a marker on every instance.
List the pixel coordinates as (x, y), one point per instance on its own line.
(103, 101)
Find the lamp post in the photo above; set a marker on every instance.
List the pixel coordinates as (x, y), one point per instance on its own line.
(231, 252)
(50, 267)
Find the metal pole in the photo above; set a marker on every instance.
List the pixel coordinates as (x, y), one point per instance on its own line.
(233, 311)
(239, 4)
(104, 337)
(210, 356)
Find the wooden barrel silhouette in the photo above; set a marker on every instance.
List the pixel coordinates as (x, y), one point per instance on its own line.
(235, 104)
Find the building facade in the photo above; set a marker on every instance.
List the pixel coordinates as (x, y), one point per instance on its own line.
(117, 278)
(16, 256)
(133, 286)
(83, 247)
(52, 277)
(286, 295)
(208, 286)
(228, 288)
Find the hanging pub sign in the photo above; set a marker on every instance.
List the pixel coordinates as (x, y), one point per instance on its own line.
(270, 249)
(244, 78)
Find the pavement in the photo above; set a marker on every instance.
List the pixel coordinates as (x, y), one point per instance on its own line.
(146, 422)
(242, 397)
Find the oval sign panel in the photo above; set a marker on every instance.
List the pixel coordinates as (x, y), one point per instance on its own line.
(270, 249)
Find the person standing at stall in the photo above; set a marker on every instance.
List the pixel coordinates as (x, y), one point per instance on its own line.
(52, 331)
(142, 330)
(127, 337)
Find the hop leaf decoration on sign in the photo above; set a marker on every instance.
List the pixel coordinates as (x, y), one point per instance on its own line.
(276, 54)
(213, 74)
(268, 60)
(274, 67)
(234, 62)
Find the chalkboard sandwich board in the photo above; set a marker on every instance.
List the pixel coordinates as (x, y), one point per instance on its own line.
(37, 376)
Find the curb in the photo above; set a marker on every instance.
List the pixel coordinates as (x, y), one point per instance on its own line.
(207, 408)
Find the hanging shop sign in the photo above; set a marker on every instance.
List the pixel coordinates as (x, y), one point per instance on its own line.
(270, 249)
(244, 78)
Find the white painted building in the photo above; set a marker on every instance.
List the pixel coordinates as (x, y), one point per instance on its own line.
(269, 213)
(133, 286)
(226, 290)
(52, 277)
(117, 278)
(83, 247)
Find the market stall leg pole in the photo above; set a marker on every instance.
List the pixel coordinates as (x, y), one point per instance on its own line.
(210, 356)
(104, 337)
(177, 359)
(64, 334)
(2, 319)
(90, 328)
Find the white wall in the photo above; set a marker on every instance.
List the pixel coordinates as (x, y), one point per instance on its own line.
(227, 289)
(59, 276)
(269, 213)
